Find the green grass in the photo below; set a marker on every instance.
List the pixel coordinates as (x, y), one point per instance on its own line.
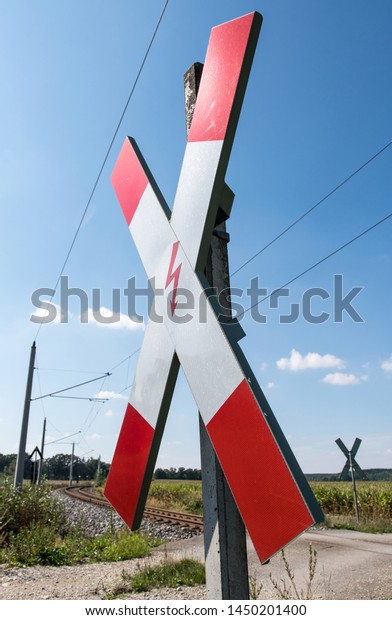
(167, 574)
(33, 530)
(41, 545)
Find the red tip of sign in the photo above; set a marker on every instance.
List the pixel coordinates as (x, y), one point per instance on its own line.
(129, 180)
(273, 509)
(221, 73)
(126, 472)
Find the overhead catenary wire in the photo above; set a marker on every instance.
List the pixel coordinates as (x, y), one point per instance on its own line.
(295, 278)
(71, 387)
(314, 207)
(61, 438)
(106, 157)
(128, 387)
(91, 410)
(37, 369)
(249, 260)
(322, 260)
(124, 360)
(90, 398)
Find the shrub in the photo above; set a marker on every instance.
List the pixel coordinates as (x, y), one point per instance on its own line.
(19, 508)
(33, 530)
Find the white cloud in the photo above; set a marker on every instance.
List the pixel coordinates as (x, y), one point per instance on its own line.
(263, 366)
(94, 436)
(387, 364)
(270, 385)
(297, 362)
(108, 394)
(44, 313)
(119, 320)
(341, 378)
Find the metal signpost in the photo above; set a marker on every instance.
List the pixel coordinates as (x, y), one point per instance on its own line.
(351, 466)
(269, 488)
(20, 461)
(226, 562)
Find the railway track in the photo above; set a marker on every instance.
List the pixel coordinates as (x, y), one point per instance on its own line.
(89, 494)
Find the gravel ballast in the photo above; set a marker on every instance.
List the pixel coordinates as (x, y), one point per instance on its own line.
(96, 520)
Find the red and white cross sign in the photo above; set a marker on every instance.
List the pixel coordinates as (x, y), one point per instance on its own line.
(268, 486)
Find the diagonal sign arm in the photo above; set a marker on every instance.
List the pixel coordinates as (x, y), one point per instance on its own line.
(343, 448)
(240, 430)
(229, 56)
(355, 447)
(220, 96)
(141, 432)
(247, 439)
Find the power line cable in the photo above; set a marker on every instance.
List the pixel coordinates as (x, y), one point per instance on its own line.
(91, 410)
(335, 189)
(71, 388)
(76, 372)
(107, 155)
(90, 398)
(101, 407)
(364, 232)
(39, 386)
(124, 360)
(61, 438)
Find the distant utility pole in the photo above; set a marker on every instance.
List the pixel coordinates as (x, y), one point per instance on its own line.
(20, 461)
(71, 465)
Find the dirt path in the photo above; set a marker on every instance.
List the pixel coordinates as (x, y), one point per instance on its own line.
(350, 566)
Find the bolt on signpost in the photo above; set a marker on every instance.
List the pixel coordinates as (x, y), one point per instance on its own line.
(268, 486)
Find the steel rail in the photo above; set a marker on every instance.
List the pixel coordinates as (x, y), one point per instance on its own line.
(88, 494)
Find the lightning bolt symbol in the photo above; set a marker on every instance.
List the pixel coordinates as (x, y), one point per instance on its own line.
(173, 275)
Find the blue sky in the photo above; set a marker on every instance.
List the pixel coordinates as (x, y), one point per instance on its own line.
(317, 106)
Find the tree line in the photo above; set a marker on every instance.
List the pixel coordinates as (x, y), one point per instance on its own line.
(177, 474)
(57, 467)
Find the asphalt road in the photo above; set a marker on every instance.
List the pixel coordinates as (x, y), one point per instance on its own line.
(350, 565)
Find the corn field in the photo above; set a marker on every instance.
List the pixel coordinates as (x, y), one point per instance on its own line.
(177, 495)
(337, 498)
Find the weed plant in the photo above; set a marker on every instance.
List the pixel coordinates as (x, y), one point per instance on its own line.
(167, 574)
(33, 530)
